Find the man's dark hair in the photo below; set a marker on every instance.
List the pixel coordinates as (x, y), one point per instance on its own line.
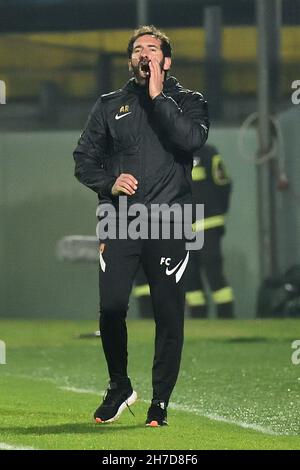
(150, 29)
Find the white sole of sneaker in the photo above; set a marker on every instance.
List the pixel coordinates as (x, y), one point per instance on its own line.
(130, 401)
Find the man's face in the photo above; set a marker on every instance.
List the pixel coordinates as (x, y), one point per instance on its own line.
(146, 48)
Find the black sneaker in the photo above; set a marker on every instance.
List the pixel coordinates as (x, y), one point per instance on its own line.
(157, 414)
(115, 401)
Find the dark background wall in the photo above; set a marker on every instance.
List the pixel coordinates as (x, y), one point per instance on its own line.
(63, 15)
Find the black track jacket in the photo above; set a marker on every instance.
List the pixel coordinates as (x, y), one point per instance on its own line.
(154, 140)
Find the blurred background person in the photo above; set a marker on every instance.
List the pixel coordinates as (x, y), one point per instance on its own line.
(211, 187)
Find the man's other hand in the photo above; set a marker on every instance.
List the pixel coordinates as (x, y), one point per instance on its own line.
(124, 184)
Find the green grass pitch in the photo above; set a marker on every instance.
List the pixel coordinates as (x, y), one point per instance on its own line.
(237, 389)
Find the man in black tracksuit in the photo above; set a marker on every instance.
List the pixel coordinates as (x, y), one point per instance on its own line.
(138, 144)
(212, 187)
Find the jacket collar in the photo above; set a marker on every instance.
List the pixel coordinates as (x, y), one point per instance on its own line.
(171, 85)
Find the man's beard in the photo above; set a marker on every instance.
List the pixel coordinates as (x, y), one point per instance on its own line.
(141, 71)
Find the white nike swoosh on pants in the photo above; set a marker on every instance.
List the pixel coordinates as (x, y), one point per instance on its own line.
(171, 271)
(181, 269)
(102, 263)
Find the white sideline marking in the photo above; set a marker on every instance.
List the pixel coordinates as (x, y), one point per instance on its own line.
(223, 419)
(31, 377)
(4, 446)
(195, 411)
(81, 390)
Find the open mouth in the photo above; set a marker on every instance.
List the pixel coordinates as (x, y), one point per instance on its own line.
(144, 67)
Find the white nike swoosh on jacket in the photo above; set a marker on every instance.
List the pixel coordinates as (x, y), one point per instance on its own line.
(121, 116)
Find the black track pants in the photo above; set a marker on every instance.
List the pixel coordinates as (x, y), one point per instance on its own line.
(164, 262)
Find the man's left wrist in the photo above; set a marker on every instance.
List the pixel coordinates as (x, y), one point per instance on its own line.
(156, 95)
